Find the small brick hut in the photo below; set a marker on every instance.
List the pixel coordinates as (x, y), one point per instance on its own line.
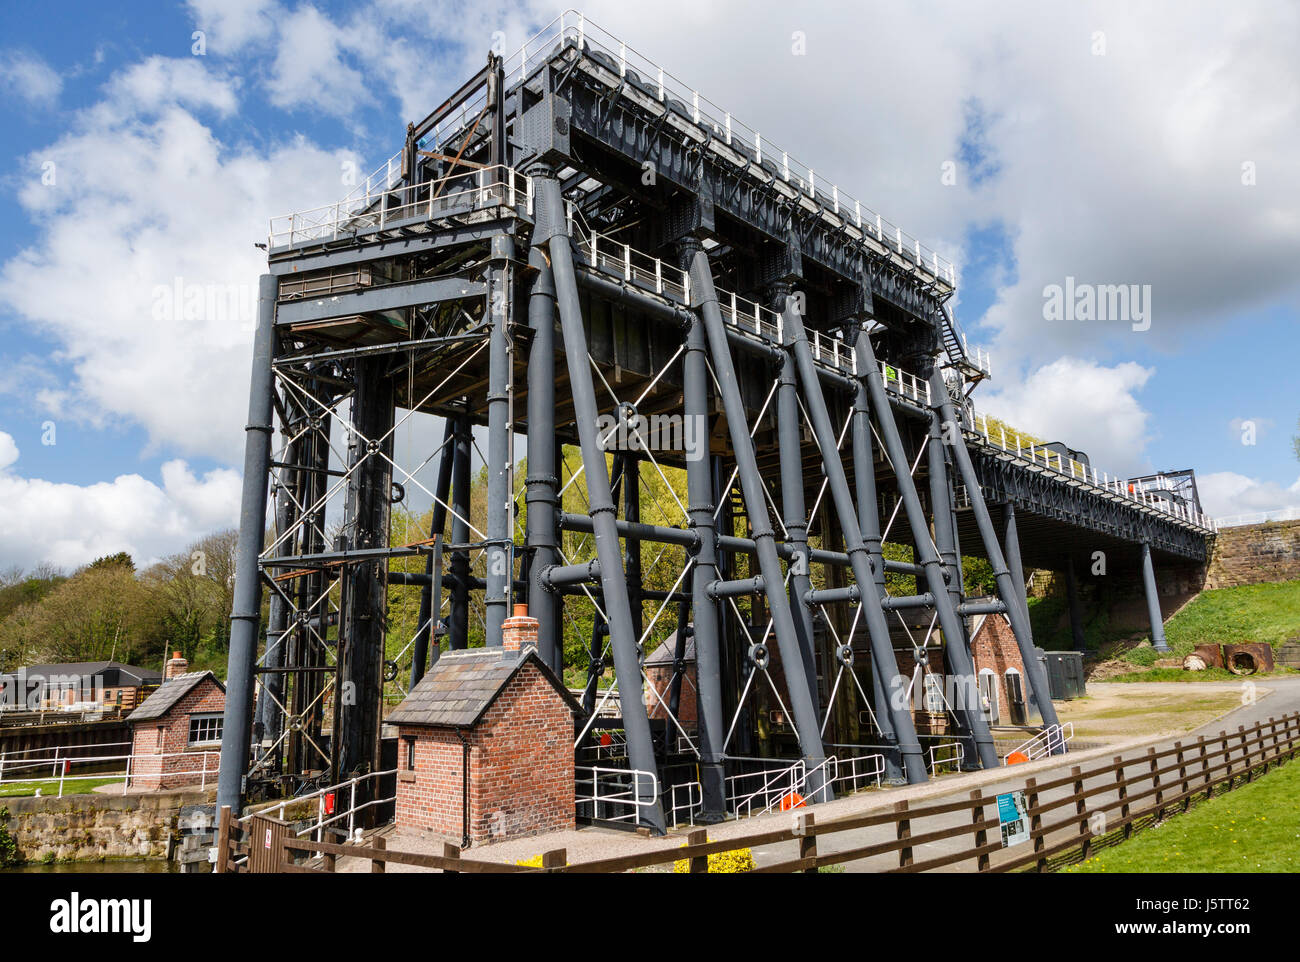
(660, 668)
(176, 731)
(494, 726)
(1000, 671)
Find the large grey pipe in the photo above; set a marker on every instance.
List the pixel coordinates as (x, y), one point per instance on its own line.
(704, 298)
(541, 482)
(428, 614)
(552, 231)
(246, 611)
(882, 650)
(1153, 601)
(500, 499)
(864, 477)
(1011, 543)
(949, 621)
(704, 610)
(793, 514)
(1016, 614)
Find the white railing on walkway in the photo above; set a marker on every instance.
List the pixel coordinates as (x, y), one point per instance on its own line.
(1068, 470)
(685, 799)
(1050, 741)
(709, 124)
(328, 810)
(1258, 517)
(62, 769)
(486, 187)
(621, 795)
(954, 755)
(773, 784)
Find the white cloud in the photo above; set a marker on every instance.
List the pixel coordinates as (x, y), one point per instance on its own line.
(1226, 493)
(30, 78)
(140, 206)
(161, 81)
(232, 24)
(70, 525)
(1090, 407)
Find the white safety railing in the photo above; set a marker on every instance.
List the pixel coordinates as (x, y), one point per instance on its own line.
(329, 810)
(774, 783)
(858, 772)
(487, 187)
(685, 801)
(1050, 741)
(1069, 470)
(607, 745)
(60, 770)
(952, 755)
(704, 122)
(1258, 517)
(614, 793)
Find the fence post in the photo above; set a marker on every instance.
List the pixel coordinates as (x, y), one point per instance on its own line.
(1205, 765)
(807, 839)
(1245, 749)
(1155, 783)
(452, 852)
(555, 859)
(223, 839)
(699, 864)
(377, 864)
(981, 836)
(1227, 758)
(1035, 822)
(1081, 809)
(1182, 777)
(1276, 742)
(904, 833)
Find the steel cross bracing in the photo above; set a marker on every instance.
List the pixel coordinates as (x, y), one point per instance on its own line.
(510, 274)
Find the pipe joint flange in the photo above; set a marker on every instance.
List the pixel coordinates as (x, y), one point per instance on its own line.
(390, 670)
(760, 656)
(396, 493)
(372, 447)
(844, 655)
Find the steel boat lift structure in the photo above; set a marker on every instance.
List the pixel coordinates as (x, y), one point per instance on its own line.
(572, 246)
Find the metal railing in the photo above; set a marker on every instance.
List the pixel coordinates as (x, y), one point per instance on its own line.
(857, 771)
(1050, 741)
(324, 816)
(954, 752)
(62, 771)
(690, 806)
(486, 187)
(623, 795)
(774, 783)
(1067, 469)
(1258, 517)
(707, 123)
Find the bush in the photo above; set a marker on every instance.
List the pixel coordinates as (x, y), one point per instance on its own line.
(8, 845)
(721, 863)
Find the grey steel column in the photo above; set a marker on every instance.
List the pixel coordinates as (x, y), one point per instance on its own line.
(1076, 611)
(632, 514)
(551, 230)
(428, 612)
(882, 650)
(949, 620)
(704, 299)
(500, 499)
(246, 611)
(704, 610)
(1153, 600)
(945, 540)
(1011, 538)
(541, 482)
(864, 478)
(794, 516)
(943, 409)
(458, 622)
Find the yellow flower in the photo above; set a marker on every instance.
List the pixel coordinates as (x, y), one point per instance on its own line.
(720, 863)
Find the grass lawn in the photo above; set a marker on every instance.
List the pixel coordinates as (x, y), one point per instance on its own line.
(1255, 828)
(1268, 613)
(71, 786)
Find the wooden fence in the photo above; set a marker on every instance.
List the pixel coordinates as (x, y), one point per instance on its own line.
(1075, 821)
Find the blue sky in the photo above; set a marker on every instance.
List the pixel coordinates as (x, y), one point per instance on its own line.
(1112, 160)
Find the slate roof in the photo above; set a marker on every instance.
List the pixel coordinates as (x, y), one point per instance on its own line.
(165, 698)
(459, 689)
(115, 674)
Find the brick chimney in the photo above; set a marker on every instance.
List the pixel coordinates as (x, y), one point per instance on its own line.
(519, 631)
(175, 667)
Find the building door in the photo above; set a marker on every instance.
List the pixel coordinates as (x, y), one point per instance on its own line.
(989, 696)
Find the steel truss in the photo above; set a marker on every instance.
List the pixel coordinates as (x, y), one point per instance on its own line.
(510, 272)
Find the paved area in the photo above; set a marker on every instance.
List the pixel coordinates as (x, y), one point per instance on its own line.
(1281, 696)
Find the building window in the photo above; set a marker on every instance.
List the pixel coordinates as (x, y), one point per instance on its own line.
(162, 739)
(410, 754)
(205, 729)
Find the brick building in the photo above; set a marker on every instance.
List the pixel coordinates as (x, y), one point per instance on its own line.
(88, 685)
(176, 732)
(493, 727)
(1000, 671)
(660, 668)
